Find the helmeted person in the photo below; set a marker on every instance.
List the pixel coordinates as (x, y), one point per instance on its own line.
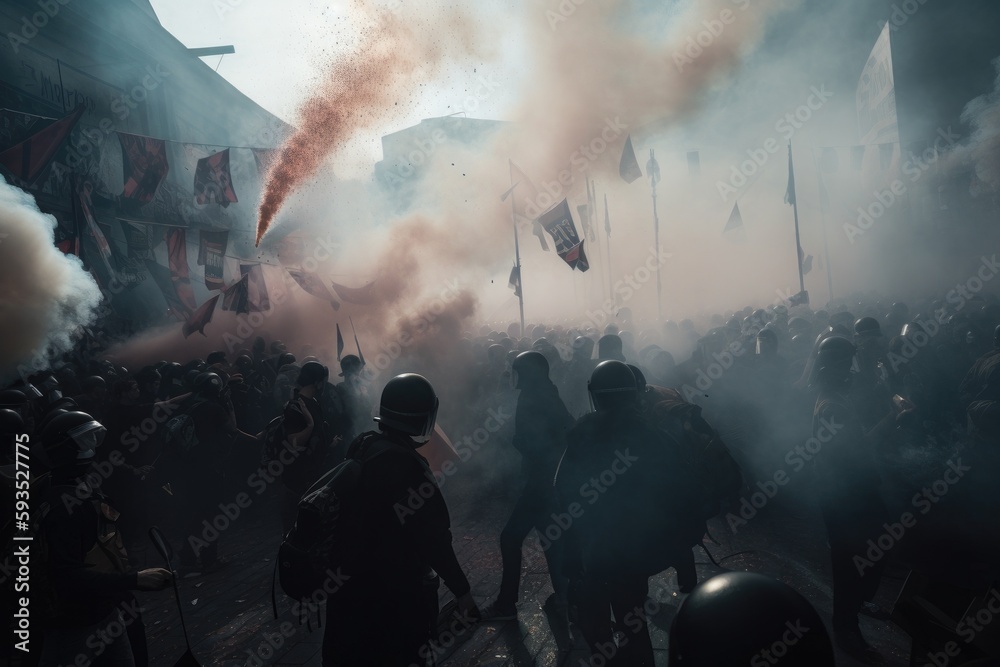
(354, 393)
(848, 487)
(744, 618)
(630, 494)
(540, 424)
(869, 388)
(578, 370)
(609, 346)
(87, 564)
(401, 543)
(310, 438)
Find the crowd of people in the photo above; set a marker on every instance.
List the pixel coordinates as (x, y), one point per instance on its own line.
(861, 407)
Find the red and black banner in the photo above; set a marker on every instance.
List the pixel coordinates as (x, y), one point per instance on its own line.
(211, 252)
(558, 221)
(161, 276)
(213, 182)
(144, 163)
(201, 317)
(28, 159)
(235, 296)
(179, 272)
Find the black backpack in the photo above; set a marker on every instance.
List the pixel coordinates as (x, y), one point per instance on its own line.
(324, 535)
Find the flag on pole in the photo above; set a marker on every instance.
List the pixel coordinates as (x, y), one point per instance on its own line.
(790, 190)
(340, 343)
(201, 317)
(576, 257)
(734, 230)
(313, 285)
(514, 281)
(361, 354)
(558, 221)
(28, 159)
(628, 167)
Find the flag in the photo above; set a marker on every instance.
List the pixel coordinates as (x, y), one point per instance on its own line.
(359, 295)
(576, 257)
(201, 317)
(213, 181)
(313, 285)
(539, 231)
(103, 248)
(361, 355)
(179, 272)
(161, 275)
(264, 158)
(628, 168)
(694, 163)
(28, 159)
(514, 281)
(806, 261)
(790, 191)
(802, 298)
(558, 221)
(340, 343)
(211, 251)
(257, 298)
(144, 164)
(236, 297)
(734, 230)
(607, 218)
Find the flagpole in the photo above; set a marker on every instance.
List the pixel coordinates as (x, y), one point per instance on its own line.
(822, 211)
(517, 260)
(607, 231)
(653, 178)
(795, 209)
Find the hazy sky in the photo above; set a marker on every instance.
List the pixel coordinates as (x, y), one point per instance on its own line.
(281, 47)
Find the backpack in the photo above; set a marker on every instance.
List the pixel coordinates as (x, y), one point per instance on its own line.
(323, 537)
(272, 438)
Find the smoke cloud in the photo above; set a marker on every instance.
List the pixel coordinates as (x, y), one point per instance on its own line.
(46, 296)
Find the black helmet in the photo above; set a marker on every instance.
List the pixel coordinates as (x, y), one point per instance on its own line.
(13, 399)
(350, 365)
(244, 363)
(834, 358)
(762, 620)
(208, 384)
(609, 346)
(867, 326)
(612, 385)
(408, 405)
(311, 373)
(11, 422)
(767, 343)
(529, 368)
(69, 438)
(640, 378)
(94, 382)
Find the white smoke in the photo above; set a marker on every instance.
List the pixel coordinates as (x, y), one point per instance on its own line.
(45, 296)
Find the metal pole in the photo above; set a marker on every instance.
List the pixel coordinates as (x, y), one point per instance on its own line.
(517, 263)
(795, 208)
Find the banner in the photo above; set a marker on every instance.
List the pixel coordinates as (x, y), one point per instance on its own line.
(161, 275)
(876, 95)
(179, 271)
(514, 281)
(628, 167)
(201, 317)
(558, 222)
(359, 295)
(28, 159)
(257, 297)
(144, 165)
(211, 251)
(212, 180)
(236, 296)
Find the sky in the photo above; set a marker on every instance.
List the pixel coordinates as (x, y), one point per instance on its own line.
(277, 67)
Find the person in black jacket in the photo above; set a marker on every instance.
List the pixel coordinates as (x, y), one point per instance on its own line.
(385, 607)
(633, 503)
(94, 614)
(540, 424)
